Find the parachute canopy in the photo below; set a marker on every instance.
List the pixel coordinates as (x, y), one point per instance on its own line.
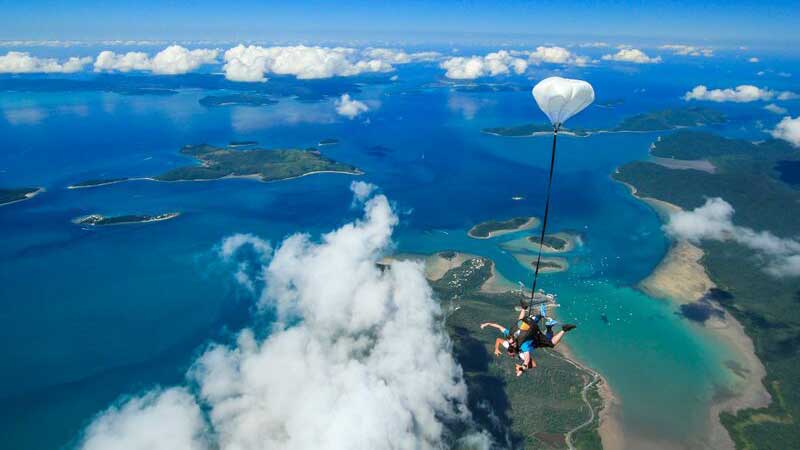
(562, 98)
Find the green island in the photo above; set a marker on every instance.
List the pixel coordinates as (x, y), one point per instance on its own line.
(552, 241)
(266, 165)
(233, 144)
(540, 410)
(548, 264)
(766, 306)
(95, 182)
(667, 119)
(613, 103)
(493, 228)
(328, 141)
(13, 195)
(100, 220)
(214, 101)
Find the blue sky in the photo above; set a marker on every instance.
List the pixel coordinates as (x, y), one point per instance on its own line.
(738, 22)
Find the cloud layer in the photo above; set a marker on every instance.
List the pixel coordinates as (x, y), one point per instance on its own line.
(358, 358)
(744, 93)
(172, 60)
(788, 129)
(23, 62)
(688, 50)
(714, 221)
(493, 64)
(632, 55)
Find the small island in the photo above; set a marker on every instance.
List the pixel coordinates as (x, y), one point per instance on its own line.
(14, 195)
(561, 242)
(547, 265)
(215, 101)
(669, 119)
(95, 182)
(328, 141)
(607, 104)
(535, 129)
(235, 144)
(494, 228)
(100, 220)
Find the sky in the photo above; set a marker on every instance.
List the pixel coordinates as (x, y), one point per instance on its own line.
(737, 21)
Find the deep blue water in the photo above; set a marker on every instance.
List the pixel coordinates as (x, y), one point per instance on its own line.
(89, 315)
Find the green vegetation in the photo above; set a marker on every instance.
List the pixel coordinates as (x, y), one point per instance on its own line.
(241, 143)
(212, 101)
(329, 141)
(97, 182)
(686, 144)
(768, 307)
(99, 220)
(269, 165)
(668, 119)
(613, 103)
(16, 194)
(531, 128)
(533, 411)
(554, 242)
(485, 229)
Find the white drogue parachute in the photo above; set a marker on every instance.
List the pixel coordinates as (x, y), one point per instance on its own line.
(559, 98)
(562, 98)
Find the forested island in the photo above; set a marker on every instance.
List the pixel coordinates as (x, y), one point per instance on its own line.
(493, 228)
(766, 305)
(328, 141)
(245, 99)
(667, 119)
(13, 195)
(100, 220)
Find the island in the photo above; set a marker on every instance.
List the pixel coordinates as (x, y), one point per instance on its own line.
(547, 265)
(95, 182)
(228, 162)
(328, 141)
(561, 242)
(667, 119)
(607, 104)
(14, 195)
(494, 228)
(215, 101)
(761, 320)
(100, 220)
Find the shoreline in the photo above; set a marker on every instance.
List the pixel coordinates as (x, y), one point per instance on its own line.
(28, 196)
(255, 177)
(571, 242)
(532, 222)
(668, 281)
(159, 218)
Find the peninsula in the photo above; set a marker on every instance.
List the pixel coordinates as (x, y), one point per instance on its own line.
(14, 195)
(494, 228)
(100, 220)
(733, 274)
(95, 182)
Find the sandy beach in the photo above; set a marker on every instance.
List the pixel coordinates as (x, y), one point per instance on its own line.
(681, 278)
(532, 222)
(28, 196)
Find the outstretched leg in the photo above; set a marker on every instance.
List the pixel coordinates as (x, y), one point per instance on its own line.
(560, 335)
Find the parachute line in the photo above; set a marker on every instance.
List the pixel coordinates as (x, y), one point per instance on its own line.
(546, 212)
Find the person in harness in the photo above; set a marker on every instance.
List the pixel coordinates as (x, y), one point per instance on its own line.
(527, 336)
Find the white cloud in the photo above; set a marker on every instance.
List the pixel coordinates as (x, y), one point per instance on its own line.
(172, 60)
(350, 108)
(556, 55)
(744, 93)
(253, 62)
(493, 64)
(788, 129)
(362, 191)
(714, 221)
(773, 108)
(632, 55)
(171, 419)
(688, 50)
(358, 358)
(753, 60)
(594, 45)
(23, 62)
(394, 56)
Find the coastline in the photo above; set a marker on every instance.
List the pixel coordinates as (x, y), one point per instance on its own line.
(525, 243)
(681, 278)
(159, 218)
(532, 222)
(255, 177)
(28, 196)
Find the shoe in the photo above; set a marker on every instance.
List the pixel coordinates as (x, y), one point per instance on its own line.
(568, 326)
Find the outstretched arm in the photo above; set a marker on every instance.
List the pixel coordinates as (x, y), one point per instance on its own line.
(493, 325)
(497, 343)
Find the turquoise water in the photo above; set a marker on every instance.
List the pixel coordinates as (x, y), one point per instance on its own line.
(89, 315)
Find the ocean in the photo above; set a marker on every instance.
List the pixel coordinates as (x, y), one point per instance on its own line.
(89, 316)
